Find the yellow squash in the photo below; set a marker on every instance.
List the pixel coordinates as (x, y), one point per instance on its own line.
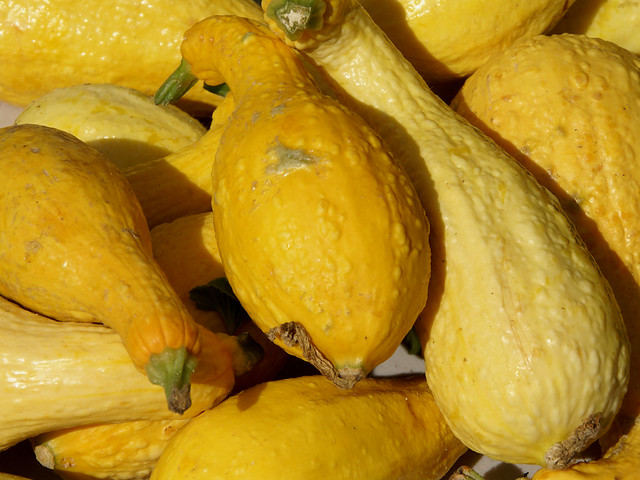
(124, 124)
(320, 231)
(306, 428)
(58, 43)
(448, 39)
(525, 348)
(617, 21)
(179, 184)
(567, 107)
(115, 451)
(56, 375)
(74, 245)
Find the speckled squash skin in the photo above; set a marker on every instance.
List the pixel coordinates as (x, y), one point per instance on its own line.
(316, 223)
(522, 336)
(617, 21)
(75, 245)
(448, 39)
(381, 429)
(570, 113)
(56, 375)
(123, 124)
(124, 42)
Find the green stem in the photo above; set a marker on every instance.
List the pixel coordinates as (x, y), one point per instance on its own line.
(176, 85)
(293, 17)
(172, 370)
(466, 473)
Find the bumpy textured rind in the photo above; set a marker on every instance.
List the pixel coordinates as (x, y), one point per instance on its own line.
(315, 221)
(522, 335)
(124, 42)
(305, 427)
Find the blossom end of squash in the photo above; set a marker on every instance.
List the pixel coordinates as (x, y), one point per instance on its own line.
(176, 85)
(172, 370)
(294, 17)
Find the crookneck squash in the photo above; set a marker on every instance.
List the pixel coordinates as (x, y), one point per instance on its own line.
(321, 233)
(525, 347)
(74, 245)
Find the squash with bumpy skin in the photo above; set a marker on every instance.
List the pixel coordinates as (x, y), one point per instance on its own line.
(520, 320)
(123, 42)
(381, 429)
(305, 205)
(74, 245)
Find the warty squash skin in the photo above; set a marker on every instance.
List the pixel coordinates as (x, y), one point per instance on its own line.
(570, 113)
(123, 42)
(56, 375)
(617, 21)
(302, 209)
(74, 245)
(446, 40)
(123, 124)
(520, 320)
(304, 427)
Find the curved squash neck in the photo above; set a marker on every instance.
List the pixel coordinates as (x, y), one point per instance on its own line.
(244, 55)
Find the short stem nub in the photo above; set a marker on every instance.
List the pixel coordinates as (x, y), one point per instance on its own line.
(172, 370)
(293, 17)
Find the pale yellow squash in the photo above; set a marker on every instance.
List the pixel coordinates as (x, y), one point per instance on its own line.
(617, 21)
(307, 428)
(568, 108)
(56, 375)
(305, 205)
(448, 39)
(523, 339)
(58, 43)
(124, 124)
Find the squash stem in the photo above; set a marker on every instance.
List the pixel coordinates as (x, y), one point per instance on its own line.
(466, 473)
(294, 17)
(172, 370)
(176, 85)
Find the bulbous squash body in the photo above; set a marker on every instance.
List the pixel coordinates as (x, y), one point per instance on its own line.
(56, 375)
(524, 343)
(570, 113)
(447, 40)
(122, 123)
(320, 231)
(75, 246)
(124, 42)
(380, 429)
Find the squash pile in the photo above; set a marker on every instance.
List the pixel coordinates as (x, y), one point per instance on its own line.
(218, 219)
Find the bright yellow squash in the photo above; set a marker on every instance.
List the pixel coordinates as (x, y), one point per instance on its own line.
(617, 21)
(524, 342)
(306, 428)
(56, 375)
(447, 40)
(74, 245)
(58, 43)
(320, 231)
(124, 124)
